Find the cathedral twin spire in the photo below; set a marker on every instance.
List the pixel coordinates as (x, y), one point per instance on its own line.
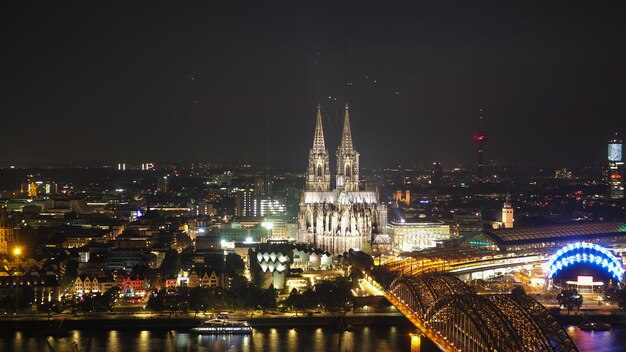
(318, 139)
(347, 159)
(346, 136)
(318, 172)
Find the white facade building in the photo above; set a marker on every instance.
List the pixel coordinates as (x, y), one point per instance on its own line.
(410, 236)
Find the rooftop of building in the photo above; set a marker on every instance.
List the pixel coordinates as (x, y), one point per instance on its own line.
(558, 232)
(286, 247)
(400, 217)
(340, 197)
(133, 235)
(71, 231)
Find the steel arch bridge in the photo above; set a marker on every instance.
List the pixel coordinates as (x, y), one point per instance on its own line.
(454, 317)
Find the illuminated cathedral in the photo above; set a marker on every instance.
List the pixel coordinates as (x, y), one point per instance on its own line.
(342, 218)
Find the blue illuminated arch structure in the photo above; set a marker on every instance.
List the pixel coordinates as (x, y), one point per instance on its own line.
(583, 252)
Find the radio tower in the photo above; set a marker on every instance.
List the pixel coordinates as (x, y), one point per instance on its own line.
(479, 139)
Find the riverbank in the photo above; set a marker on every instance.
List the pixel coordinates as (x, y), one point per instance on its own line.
(174, 322)
(577, 319)
(118, 322)
(335, 320)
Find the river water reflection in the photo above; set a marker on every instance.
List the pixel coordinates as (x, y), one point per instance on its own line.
(369, 338)
(366, 338)
(613, 340)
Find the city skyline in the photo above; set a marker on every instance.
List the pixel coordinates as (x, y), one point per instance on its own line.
(330, 176)
(227, 84)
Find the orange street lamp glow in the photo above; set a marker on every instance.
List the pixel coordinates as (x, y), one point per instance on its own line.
(17, 251)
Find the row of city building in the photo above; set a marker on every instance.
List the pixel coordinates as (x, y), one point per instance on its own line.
(115, 229)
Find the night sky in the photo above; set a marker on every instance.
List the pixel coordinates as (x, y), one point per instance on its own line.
(214, 81)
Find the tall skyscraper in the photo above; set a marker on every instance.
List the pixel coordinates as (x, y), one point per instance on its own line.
(436, 175)
(480, 139)
(262, 185)
(243, 202)
(616, 165)
(346, 217)
(162, 184)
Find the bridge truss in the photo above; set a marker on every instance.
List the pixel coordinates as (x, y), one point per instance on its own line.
(450, 313)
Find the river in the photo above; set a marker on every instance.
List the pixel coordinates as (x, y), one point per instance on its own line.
(598, 341)
(365, 338)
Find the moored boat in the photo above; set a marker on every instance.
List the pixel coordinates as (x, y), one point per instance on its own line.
(223, 326)
(595, 326)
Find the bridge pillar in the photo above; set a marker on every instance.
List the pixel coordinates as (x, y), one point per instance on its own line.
(416, 342)
(465, 277)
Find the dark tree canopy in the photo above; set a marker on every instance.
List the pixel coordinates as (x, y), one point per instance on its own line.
(570, 299)
(233, 264)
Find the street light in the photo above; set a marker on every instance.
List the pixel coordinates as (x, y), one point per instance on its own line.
(17, 251)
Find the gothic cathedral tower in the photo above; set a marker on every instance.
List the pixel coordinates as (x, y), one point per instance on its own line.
(347, 160)
(318, 171)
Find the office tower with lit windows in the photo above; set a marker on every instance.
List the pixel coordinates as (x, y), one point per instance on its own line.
(263, 185)
(436, 175)
(616, 168)
(162, 184)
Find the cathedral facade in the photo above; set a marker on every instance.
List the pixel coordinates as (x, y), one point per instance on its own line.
(342, 218)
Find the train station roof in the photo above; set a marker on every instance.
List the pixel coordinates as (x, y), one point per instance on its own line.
(557, 233)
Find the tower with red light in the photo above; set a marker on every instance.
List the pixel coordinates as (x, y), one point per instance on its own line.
(479, 139)
(616, 165)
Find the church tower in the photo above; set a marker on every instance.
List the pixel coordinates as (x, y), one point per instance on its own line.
(318, 171)
(347, 159)
(507, 214)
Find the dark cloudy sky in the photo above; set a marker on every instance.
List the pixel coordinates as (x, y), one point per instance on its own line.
(215, 81)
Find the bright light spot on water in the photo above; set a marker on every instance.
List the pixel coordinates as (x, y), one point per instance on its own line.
(374, 338)
(113, 338)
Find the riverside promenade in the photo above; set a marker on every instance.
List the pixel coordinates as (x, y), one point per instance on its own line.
(189, 320)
